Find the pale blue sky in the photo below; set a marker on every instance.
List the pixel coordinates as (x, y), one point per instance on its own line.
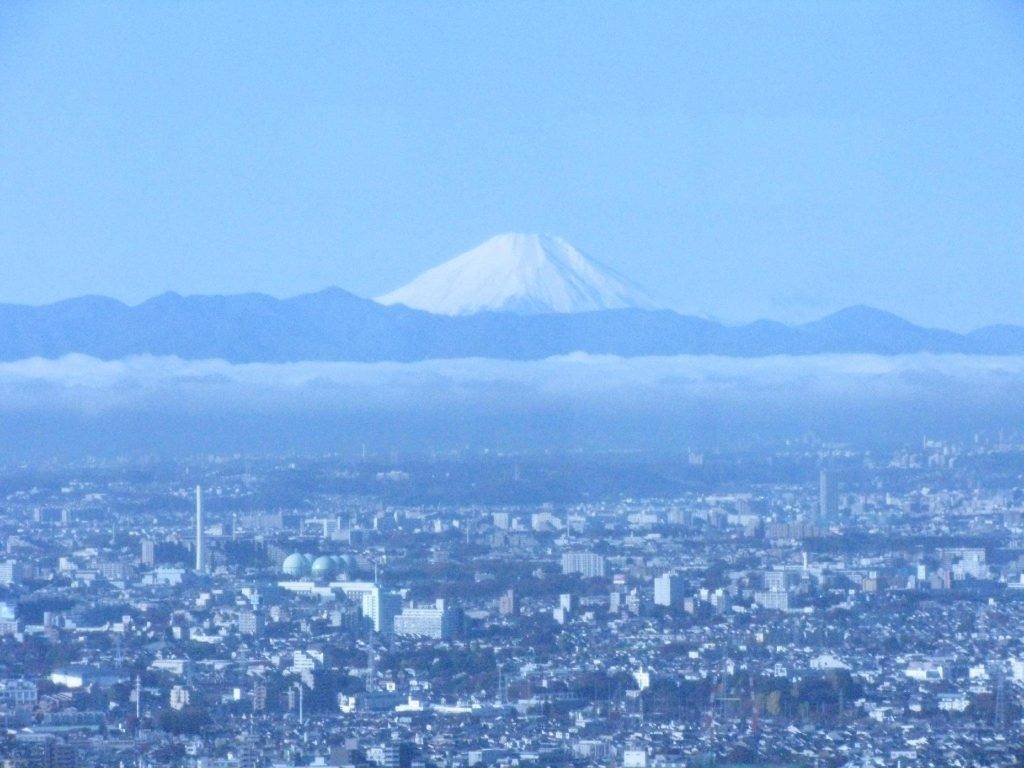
(739, 160)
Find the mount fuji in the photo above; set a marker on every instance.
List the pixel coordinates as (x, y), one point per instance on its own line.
(520, 274)
(515, 297)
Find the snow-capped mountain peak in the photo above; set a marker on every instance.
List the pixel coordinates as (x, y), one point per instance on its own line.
(525, 274)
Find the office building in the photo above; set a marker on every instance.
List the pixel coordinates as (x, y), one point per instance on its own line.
(828, 495)
(439, 621)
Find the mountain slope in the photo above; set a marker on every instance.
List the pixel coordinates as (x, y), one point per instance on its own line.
(866, 329)
(996, 339)
(522, 274)
(336, 325)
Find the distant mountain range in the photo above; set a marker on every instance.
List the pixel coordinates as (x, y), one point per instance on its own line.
(516, 297)
(336, 325)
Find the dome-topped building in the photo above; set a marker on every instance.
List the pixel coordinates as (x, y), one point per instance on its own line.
(324, 567)
(296, 565)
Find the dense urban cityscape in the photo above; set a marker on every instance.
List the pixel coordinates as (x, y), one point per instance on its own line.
(558, 384)
(797, 605)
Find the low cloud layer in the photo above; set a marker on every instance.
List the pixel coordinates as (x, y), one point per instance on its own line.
(167, 404)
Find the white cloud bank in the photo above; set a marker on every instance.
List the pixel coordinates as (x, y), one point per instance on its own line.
(578, 399)
(571, 373)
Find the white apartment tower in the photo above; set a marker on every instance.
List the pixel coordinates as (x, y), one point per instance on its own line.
(668, 590)
(589, 565)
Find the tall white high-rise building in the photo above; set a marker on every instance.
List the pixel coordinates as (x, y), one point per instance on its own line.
(200, 534)
(668, 590)
(379, 606)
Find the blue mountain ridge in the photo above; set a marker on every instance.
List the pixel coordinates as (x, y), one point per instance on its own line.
(334, 324)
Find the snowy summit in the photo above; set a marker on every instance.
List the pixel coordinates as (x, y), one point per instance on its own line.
(524, 274)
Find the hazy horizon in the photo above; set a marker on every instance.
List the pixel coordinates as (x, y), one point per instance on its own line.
(80, 406)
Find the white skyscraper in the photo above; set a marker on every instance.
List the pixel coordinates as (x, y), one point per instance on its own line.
(381, 608)
(668, 590)
(200, 536)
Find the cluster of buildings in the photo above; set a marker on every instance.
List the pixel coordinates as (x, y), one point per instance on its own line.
(807, 605)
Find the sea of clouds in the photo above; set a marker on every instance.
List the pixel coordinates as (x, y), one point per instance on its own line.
(578, 401)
